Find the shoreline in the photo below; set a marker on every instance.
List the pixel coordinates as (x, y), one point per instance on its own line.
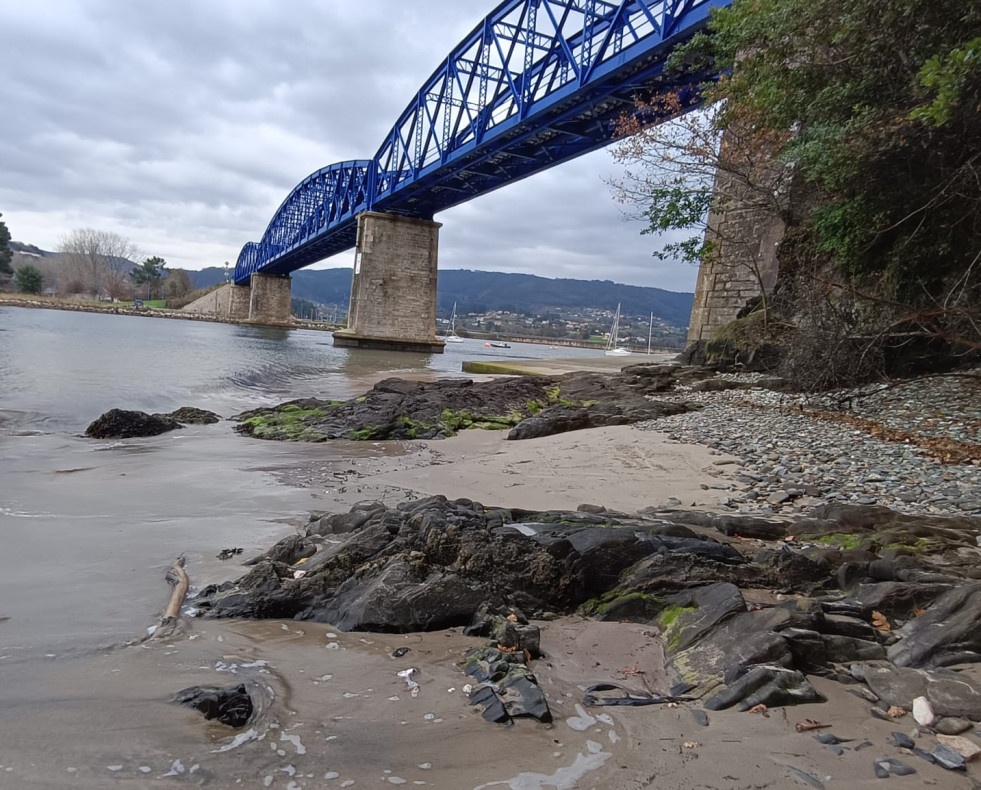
(340, 714)
(151, 312)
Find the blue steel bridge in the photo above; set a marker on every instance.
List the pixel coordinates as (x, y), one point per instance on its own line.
(537, 83)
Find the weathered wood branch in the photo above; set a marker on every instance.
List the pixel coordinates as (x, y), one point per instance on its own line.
(178, 578)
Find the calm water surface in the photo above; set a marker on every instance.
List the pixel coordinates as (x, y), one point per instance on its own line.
(88, 529)
(60, 370)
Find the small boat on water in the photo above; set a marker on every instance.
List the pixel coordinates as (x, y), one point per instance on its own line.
(612, 347)
(494, 344)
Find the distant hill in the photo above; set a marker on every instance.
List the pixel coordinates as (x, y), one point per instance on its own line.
(481, 292)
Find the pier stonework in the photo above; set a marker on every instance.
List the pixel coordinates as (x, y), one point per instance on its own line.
(269, 300)
(239, 297)
(745, 231)
(393, 290)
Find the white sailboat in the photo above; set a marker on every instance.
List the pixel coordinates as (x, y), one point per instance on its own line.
(452, 336)
(612, 349)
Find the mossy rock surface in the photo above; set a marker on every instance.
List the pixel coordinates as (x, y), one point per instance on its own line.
(399, 409)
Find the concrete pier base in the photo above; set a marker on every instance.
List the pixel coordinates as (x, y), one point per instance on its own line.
(269, 299)
(237, 303)
(393, 290)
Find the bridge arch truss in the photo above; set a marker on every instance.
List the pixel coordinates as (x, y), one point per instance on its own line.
(535, 84)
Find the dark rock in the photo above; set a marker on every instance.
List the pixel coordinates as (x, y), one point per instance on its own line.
(898, 600)
(894, 685)
(400, 409)
(772, 686)
(518, 636)
(342, 523)
(523, 698)
(562, 418)
(714, 662)
(849, 574)
(903, 741)
(557, 419)
(491, 707)
(947, 758)
(947, 633)
(842, 625)
(693, 614)
(736, 525)
(288, 551)
(121, 424)
(952, 726)
(892, 765)
(232, 706)
(189, 415)
(829, 738)
(701, 717)
(398, 599)
(843, 649)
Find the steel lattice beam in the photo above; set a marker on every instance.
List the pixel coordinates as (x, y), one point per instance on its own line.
(535, 84)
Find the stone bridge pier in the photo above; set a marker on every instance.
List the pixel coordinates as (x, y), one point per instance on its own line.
(393, 290)
(265, 301)
(746, 231)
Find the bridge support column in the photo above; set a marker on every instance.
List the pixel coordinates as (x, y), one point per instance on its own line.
(269, 300)
(237, 306)
(746, 234)
(393, 290)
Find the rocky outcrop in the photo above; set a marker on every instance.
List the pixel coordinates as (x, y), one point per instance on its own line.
(531, 406)
(122, 424)
(232, 706)
(435, 563)
(190, 415)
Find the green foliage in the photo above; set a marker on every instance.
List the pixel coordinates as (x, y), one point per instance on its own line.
(148, 273)
(677, 205)
(6, 254)
(877, 107)
(29, 280)
(950, 76)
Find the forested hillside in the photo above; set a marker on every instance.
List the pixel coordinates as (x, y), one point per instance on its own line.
(481, 292)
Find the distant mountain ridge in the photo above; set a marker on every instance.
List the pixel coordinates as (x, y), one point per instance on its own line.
(482, 292)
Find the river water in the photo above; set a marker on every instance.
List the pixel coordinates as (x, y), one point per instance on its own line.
(85, 525)
(88, 528)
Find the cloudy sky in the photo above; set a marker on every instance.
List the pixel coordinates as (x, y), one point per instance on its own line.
(182, 125)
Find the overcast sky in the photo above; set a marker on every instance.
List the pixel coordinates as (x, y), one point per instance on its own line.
(183, 125)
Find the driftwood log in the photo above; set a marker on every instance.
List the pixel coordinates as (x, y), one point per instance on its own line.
(178, 579)
(170, 619)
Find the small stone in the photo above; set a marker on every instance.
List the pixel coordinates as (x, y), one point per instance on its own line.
(923, 712)
(965, 747)
(946, 757)
(893, 765)
(952, 726)
(903, 741)
(778, 497)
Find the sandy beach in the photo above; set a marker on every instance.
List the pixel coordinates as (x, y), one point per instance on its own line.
(619, 467)
(338, 714)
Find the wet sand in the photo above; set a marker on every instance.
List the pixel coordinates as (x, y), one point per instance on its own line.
(621, 468)
(337, 714)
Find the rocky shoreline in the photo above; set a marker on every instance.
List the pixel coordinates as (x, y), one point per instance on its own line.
(791, 585)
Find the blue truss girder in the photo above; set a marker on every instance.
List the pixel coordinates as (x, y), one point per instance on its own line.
(535, 84)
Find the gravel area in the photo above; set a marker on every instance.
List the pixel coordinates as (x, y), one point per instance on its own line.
(789, 462)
